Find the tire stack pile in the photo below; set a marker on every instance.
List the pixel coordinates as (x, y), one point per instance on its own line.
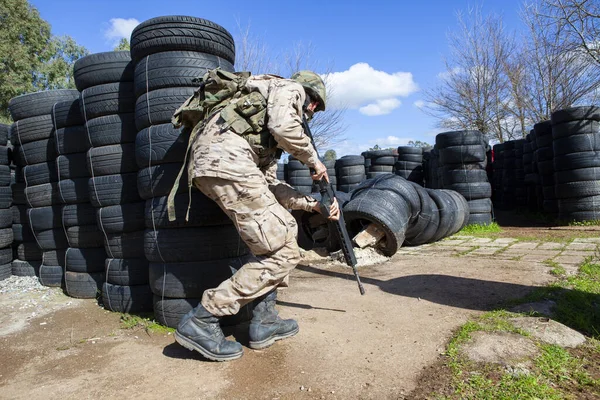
(381, 162)
(576, 145)
(298, 176)
(509, 176)
(519, 182)
(433, 169)
(410, 164)
(6, 217)
(530, 178)
(544, 158)
(498, 172)
(34, 154)
(185, 257)
(349, 172)
(330, 164)
(463, 160)
(83, 260)
(107, 102)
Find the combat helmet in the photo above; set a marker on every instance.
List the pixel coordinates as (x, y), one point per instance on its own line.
(313, 85)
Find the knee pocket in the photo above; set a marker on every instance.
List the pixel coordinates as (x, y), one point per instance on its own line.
(265, 230)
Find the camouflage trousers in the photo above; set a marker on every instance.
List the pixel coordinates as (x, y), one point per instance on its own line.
(268, 230)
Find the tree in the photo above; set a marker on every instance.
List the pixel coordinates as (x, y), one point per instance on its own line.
(330, 155)
(418, 143)
(253, 55)
(31, 59)
(473, 88)
(123, 45)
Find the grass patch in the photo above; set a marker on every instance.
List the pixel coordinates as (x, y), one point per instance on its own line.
(480, 230)
(585, 223)
(557, 269)
(129, 321)
(556, 373)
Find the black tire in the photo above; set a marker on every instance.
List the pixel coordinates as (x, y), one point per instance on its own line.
(202, 212)
(582, 174)
(51, 275)
(6, 218)
(21, 233)
(410, 158)
(157, 181)
(126, 272)
(127, 299)
(181, 33)
(174, 69)
(347, 188)
(67, 113)
(85, 260)
(5, 271)
(381, 168)
(74, 191)
(19, 214)
(54, 257)
(125, 245)
(294, 164)
(407, 165)
(298, 173)
(472, 191)
(481, 206)
(40, 103)
(409, 150)
(350, 170)
(72, 166)
(480, 219)
(85, 236)
(6, 155)
(447, 213)
(384, 208)
(72, 139)
(159, 144)
(41, 195)
(6, 256)
(576, 143)
(107, 99)
(40, 151)
(577, 189)
(392, 183)
(112, 159)
(158, 106)
(111, 190)
(188, 280)
(575, 113)
(375, 174)
(83, 285)
(458, 138)
(585, 159)
(564, 130)
(463, 176)
(51, 239)
(579, 216)
(38, 174)
(122, 217)
(578, 204)
(112, 129)
(5, 175)
(351, 179)
(78, 214)
(25, 268)
(350, 161)
(462, 154)
(43, 218)
(182, 245)
(29, 252)
(386, 160)
(4, 134)
(31, 129)
(101, 68)
(461, 208)
(378, 153)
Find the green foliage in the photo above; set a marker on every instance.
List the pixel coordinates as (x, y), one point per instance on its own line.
(31, 59)
(330, 155)
(129, 321)
(123, 45)
(418, 143)
(476, 229)
(377, 147)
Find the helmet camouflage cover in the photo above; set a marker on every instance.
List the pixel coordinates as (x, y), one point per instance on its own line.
(313, 85)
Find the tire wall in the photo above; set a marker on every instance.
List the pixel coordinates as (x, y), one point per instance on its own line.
(6, 236)
(185, 258)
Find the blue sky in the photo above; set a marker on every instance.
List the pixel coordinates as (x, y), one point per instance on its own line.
(398, 46)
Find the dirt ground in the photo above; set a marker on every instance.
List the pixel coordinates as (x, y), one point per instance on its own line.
(349, 346)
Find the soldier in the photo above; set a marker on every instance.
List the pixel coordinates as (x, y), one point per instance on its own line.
(238, 171)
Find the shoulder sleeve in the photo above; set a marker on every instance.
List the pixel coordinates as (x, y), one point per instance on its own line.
(284, 111)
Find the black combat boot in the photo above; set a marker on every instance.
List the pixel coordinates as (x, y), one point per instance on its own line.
(200, 330)
(266, 327)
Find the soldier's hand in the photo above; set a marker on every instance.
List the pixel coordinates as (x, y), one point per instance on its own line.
(320, 172)
(334, 211)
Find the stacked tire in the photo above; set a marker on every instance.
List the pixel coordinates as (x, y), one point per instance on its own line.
(6, 233)
(544, 158)
(463, 160)
(34, 154)
(530, 177)
(350, 172)
(298, 176)
(576, 147)
(330, 164)
(107, 103)
(185, 257)
(497, 175)
(83, 260)
(519, 182)
(381, 162)
(410, 164)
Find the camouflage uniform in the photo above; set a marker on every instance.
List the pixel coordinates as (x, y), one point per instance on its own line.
(232, 172)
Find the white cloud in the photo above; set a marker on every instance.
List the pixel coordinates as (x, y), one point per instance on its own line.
(380, 107)
(120, 28)
(419, 104)
(447, 74)
(370, 91)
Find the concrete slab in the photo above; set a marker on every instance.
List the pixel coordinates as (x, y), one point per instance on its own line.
(551, 246)
(525, 245)
(484, 251)
(479, 241)
(573, 260)
(505, 241)
(582, 246)
(539, 256)
(452, 242)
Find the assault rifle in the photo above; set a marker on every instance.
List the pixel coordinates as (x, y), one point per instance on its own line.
(327, 198)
